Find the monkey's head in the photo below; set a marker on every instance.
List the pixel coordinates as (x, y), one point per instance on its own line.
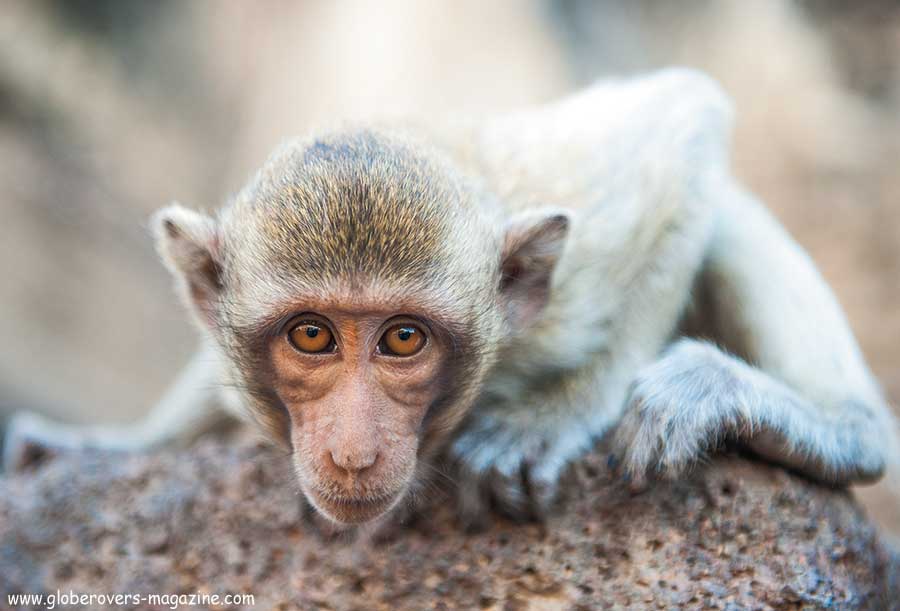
(360, 287)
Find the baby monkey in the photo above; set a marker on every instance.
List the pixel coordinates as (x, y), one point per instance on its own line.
(504, 292)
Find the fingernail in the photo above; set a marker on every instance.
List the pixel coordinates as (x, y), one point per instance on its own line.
(638, 486)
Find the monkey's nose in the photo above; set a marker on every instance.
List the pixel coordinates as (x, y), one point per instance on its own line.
(352, 462)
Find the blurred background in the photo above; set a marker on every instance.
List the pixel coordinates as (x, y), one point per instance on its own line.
(110, 109)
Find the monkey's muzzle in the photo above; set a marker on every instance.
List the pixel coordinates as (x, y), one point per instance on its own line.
(353, 510)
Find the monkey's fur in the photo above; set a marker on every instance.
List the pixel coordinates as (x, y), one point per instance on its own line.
(593, 268)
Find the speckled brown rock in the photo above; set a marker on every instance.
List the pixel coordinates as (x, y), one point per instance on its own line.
(224, 517)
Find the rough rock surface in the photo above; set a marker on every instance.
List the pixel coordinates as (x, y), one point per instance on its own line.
(223, 517)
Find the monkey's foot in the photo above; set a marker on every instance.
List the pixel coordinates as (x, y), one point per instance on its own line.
(674, 416)
(512, 472)
(28, 440)
(30, 437)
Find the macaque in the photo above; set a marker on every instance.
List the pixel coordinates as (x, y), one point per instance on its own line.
(499, 294)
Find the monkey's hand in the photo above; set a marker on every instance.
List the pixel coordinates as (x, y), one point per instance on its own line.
(514, 467)
(696, 397)
(680, 408)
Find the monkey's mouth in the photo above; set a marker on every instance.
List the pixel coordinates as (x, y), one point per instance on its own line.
(352, 510)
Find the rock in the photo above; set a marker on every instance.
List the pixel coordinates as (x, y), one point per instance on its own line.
(224, 517)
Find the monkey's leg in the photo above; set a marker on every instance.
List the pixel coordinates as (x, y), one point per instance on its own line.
(191, 406)
(807, 401)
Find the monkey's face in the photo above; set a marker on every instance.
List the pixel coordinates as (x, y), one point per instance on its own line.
(356, 382)
(361, 286)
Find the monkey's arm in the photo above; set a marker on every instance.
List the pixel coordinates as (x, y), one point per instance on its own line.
(640, 162)
(191, 406)
(794, 388)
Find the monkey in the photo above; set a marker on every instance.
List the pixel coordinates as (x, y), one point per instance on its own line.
(499, 294)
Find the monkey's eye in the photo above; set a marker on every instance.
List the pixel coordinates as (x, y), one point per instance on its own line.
(311, 337)
(402, 340)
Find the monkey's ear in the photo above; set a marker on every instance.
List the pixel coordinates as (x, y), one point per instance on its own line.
(188, 243)
(532, 245)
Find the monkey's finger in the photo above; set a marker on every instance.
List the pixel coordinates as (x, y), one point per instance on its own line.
(623, 436)
(541, 480)
(631, 453)
(641, 452)
(637, 484)
(507, 494)
(472, 503)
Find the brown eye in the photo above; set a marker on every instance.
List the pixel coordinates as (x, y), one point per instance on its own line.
(312, 337)
(402, 340)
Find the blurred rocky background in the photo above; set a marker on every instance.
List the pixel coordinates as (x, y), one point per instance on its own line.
(110, 109)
